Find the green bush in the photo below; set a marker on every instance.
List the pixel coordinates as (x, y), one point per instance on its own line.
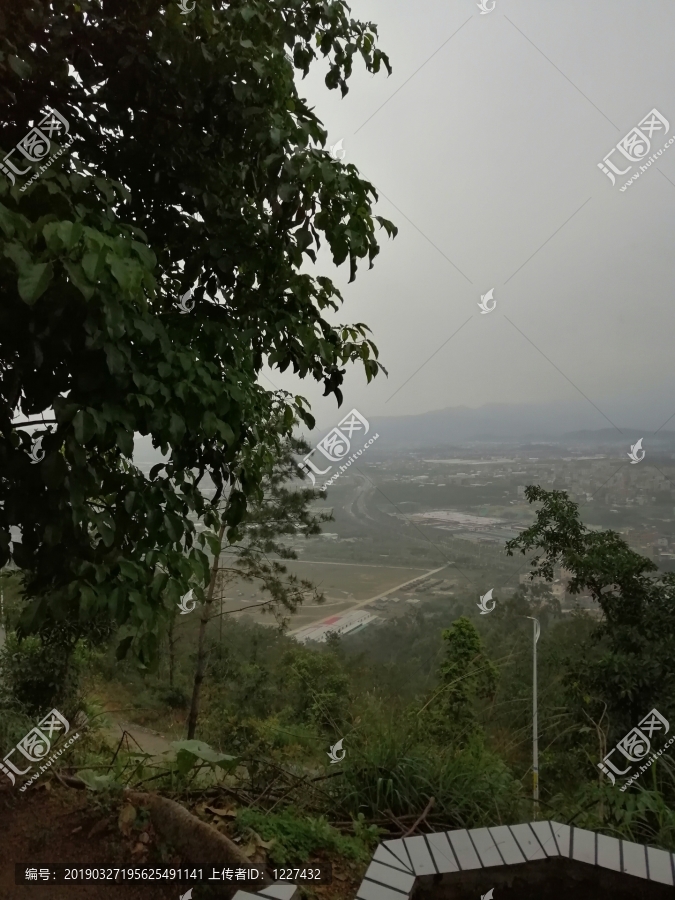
(389, 766)
(174, 697)
(14, 724)
(37, 676)
(297, 837)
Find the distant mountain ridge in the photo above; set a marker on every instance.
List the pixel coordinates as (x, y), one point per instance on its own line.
(564, 425)
(558, 423)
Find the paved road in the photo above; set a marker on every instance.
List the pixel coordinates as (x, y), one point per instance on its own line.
(384, 593)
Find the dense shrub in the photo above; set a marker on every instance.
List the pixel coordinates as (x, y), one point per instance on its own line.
(296, 837)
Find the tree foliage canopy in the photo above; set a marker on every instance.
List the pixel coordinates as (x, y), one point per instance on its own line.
(466, 675)
(197, 165)
(631, 670)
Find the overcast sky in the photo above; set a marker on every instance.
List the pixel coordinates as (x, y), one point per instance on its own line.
(490, 152)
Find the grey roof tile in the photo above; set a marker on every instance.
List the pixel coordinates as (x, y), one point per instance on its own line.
(485, 847)
(544, 832)
(396, 863)
(420, 856)
(660, 865)
(634, 859)
(441, 851)
(527, 841)
(507, 846)
(397, 847)
(583, 846)
(370, 890)
(609, 853)
(387, 857)
(464, 849)
(400, 881)
(562, 837)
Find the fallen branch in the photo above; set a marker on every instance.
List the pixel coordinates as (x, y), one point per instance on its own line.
(380, 821)
(393, 818)
(196, 841)
(323, 777)
(421, 818)
(71, 781)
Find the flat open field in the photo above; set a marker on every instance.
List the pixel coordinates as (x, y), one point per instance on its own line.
(344, 584)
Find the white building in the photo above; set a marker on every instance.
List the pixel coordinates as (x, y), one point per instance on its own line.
(340, 624)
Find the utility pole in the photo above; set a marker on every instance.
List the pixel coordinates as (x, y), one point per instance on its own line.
(535, 721)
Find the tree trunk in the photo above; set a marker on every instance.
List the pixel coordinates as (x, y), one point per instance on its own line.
(172, 621)
(201, 646)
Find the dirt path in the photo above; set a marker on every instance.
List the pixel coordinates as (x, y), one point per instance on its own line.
(150, 741)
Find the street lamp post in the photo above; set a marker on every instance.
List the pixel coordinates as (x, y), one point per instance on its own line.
(535, 721)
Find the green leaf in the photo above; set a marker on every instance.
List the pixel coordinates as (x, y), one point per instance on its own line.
(106, 528)
(125, 441)
(123, 647)
(93, 263)
(209, 423)
(8, 221)
(115, 358)
(20, 66)
(146, 255)
(201, 750)
(19, 256)
(34, 281)
(106, 188)
(70, 233)
(88, 598)
(287, 192)
(99, 782)
(185, 761)
(128, 568)
(226, 433)
(174, 527)
(50, 233)
(84, 425)
(176, 428)
(76, 275)
(127, 272)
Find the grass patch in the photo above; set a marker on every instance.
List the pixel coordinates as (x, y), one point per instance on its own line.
(298, 837)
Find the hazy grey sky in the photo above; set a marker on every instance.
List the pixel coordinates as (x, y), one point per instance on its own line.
(491, 150)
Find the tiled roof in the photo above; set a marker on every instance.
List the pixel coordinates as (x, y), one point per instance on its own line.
(396, 864)
(271, 892)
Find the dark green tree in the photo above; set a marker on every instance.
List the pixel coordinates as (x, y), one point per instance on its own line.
(197, 165)
(466, 676)
(533, 599)
(282, 512)
(319, 687)
(629, 667)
